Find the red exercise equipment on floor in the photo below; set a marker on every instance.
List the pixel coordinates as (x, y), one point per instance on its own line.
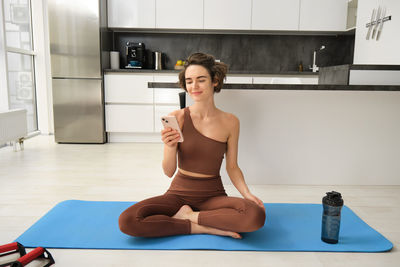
(39, 253)
(7, 252)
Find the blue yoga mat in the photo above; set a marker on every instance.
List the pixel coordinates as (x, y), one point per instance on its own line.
(289, 227)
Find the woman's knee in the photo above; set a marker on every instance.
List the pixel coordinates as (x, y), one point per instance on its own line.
(255, 217)
(260, 217)
(129, 223)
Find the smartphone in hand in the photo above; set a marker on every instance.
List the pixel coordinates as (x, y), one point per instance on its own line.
(172, 122)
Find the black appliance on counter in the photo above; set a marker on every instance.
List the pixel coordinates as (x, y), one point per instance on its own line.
(135, 55)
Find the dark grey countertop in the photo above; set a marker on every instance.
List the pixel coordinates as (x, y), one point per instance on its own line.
(322, 87)
(230, 72)
(364, 67)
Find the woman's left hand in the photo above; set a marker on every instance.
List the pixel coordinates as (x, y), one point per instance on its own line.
(255, 199)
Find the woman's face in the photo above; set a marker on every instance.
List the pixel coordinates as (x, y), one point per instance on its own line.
(198, 83)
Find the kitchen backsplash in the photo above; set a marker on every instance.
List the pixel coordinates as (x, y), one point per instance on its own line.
(265, 53)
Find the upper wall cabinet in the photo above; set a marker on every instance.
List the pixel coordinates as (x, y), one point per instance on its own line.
(264, 15)
(227, 14)
(323, 15)
(275, 15)
(179, 14)
(131, 14)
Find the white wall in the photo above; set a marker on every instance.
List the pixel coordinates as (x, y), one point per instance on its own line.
(316, 137)
(386, 49)
(3, 73)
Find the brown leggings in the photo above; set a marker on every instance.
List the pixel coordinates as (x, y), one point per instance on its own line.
(153, 217)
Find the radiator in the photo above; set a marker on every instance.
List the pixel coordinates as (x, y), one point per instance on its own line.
(13, 126)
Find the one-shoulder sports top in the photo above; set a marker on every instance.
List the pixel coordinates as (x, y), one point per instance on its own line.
(199, 153)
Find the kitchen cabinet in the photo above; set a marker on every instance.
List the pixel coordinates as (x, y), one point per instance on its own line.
(129, 118)
(179, 14)
(129, 103)
(133, 110)
(351, 14)
(276, 79)
(323, 15)
(227, 14)
(264, 15)
(275, 15)
(166, 100)
(128, 88)
(374, 77)
(131, 14)
(238, 79)
(166, 95)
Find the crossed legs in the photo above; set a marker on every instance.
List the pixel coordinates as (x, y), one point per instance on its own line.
(173, 215)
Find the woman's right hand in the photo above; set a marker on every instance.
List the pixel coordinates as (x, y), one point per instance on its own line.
(170, 137)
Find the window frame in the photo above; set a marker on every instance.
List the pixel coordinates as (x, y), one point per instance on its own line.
(25, 52)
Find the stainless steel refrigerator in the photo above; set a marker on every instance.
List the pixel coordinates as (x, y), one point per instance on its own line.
(79, 42)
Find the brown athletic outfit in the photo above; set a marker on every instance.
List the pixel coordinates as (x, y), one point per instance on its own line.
(153, 217)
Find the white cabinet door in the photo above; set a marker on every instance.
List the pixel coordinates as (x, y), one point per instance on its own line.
(227, 14)
(238, 79)
(312, 79)
(323, 15)
(131, 14)
(128, 88)
(129, 118)
(179, 14)
(160, 111)
(166, 95)
(275, 15)
(309, 80)
(166, 78)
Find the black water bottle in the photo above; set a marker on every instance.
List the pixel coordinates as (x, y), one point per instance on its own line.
(332, 204)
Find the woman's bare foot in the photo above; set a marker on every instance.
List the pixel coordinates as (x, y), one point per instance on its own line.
(186, 212)
(201, 229)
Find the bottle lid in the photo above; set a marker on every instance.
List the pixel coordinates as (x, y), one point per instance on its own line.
(333, 199)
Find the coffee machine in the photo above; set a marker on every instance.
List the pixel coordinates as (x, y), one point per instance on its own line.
(135, 55)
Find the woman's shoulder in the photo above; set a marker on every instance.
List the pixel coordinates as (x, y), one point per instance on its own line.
(230, 120)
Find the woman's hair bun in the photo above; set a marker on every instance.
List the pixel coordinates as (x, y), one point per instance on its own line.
(217, 70)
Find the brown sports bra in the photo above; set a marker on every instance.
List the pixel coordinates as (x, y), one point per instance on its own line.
(199, 153)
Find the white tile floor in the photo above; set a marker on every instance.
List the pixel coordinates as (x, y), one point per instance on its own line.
(34, 180)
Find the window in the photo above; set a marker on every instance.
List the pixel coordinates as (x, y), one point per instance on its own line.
(20, 58)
